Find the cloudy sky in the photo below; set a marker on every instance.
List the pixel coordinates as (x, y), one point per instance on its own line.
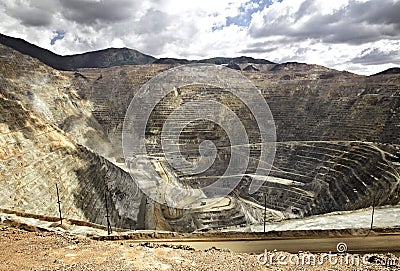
(362, 36)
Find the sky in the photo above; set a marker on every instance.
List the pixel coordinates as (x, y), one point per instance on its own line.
(360, 36)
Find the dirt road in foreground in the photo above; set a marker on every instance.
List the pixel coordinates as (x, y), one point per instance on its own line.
(359, 244)
(21, 250)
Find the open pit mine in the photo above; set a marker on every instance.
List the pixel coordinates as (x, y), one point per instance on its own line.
(337, 140)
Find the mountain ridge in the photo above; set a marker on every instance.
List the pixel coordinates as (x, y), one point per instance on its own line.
(111, 57)
(96, 59)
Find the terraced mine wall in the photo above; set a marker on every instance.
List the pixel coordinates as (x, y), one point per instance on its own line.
(320, 177)
(317, 104)
(337, 149)
(308, 103)
(335, 132)
(110, 92)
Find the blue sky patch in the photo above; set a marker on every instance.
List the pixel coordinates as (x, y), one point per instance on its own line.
(57, 35)
(246, 10)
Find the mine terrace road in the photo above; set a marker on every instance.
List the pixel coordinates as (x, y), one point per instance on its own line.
(358, 244)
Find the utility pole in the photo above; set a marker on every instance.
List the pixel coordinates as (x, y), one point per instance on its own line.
(372, 215)
(109, 230)
(265, 210)
(59, 204)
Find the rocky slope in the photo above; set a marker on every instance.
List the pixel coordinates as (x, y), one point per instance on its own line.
(44, 127)
(35, 156)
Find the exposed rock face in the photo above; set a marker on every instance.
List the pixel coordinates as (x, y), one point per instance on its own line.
(338, 144)
(44, 122)
(51, 95)
(36, 155)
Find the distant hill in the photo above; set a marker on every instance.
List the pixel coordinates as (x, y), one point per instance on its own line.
(395, 70)
(230, 61)
(291, 66)
(97, 59)
(238, 60)
(172, 61)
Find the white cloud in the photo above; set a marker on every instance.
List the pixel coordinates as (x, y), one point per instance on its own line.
(331, 33)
